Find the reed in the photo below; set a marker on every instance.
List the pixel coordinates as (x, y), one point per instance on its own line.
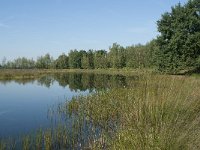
(48, 140)
(2, 145)
(39, 140)
(26, 142)
(160, 113)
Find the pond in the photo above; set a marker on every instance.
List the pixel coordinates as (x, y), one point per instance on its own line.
(24, 103)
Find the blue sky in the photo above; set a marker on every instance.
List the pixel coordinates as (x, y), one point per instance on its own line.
(32, 28)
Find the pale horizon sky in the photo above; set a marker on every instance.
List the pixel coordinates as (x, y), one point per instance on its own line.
(31, 28)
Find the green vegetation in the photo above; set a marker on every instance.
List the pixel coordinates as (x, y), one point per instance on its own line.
(81, 81)
(135, 57)
(179, 44)
(152, 112)
(6, 74)
(175, 50)
(35, 73)
(157, 112)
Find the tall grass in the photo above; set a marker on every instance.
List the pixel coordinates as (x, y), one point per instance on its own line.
(159, 113)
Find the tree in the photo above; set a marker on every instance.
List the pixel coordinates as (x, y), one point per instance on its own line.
(139, 56)
(91, 59)
(117, 56)
(23, 63)
(74, 59)
(44, 62)
(19, 63)
(100, 59)
(178, 43)
(85, 61)
(62, 62)
(3, 62)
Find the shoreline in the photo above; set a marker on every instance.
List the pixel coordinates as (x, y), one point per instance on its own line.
(33, 73)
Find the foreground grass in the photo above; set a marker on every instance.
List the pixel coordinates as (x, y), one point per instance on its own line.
(160, 113)
(157, 112)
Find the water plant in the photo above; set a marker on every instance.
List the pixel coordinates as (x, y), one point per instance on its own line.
(160, 113)
(2, 145)
(48, 140)
(39, 140)
(26, 142)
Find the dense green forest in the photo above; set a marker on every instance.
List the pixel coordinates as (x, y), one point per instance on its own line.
(175, 49)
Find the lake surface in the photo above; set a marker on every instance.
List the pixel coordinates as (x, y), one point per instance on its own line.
(24, 104)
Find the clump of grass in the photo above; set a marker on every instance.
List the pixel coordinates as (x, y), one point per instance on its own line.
(39, 140)
(12, 143)
(73, 106)
(26, 142)
(60, 137)
(2, 145)
(160, 113)
(160, 117)
(48, 140)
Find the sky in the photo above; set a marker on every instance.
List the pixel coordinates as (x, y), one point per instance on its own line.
(31, 28)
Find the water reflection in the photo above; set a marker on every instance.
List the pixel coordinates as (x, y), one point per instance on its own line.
(24, 103)
(79, 81)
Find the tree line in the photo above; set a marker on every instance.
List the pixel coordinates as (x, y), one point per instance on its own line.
(177, 48)
(118, 57)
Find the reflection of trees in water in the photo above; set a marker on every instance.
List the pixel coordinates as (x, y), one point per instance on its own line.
(81, 81)
(46, 81)
(62, 79)
(75, 82)
(85, 81)
(18, 81)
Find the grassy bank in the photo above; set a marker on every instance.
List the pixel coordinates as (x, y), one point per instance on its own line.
(34, 73)
(157, 112)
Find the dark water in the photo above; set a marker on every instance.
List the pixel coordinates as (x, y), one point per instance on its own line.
(24, 104)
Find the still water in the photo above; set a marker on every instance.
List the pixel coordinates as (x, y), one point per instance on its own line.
(24, 104)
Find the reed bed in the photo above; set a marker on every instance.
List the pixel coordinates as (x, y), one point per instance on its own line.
(158, 112)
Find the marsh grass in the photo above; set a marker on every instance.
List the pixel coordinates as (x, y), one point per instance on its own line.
(2, 145)
(39, 140)
(164, 115)
(26, 142)
(162, 112)
(35, 73)
(156, 113)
